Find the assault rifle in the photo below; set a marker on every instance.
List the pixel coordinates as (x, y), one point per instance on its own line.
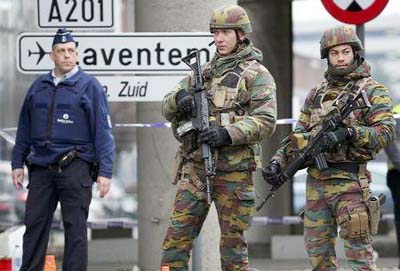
(200, 118)
(342, 107)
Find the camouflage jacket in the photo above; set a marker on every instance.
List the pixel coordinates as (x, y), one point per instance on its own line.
(373, 126)
(243, 89)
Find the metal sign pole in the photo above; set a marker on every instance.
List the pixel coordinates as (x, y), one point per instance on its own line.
(360, 29)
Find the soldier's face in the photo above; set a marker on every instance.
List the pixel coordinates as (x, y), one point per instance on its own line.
(64, 56)
(341, 56)
(226, 41)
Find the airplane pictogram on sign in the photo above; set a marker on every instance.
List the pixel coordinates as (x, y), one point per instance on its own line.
(41, 52)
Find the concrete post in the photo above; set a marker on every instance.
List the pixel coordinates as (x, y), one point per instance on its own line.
(156, 147)
(272, 32)
(360, 30)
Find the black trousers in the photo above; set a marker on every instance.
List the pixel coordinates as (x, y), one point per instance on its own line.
(393, 182)
(72, 187)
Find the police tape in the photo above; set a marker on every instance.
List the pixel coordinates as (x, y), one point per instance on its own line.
(168, 124)
(149, 125)
(10, 139)
(144, 125)
(132, 125)
(267, 220)
(7, 137)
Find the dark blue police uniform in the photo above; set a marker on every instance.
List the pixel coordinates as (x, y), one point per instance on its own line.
(55, 120)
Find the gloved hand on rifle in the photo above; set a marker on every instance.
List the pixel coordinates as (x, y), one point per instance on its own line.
(271, 173)
(331, 140)
(215, 137)
(184, 101)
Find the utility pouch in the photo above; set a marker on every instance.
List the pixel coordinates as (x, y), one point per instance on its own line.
(359, 225)
(67, 159)
(219, 98)
(354, 224)
(374, 213)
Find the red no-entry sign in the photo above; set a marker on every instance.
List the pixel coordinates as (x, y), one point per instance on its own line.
(354, 11)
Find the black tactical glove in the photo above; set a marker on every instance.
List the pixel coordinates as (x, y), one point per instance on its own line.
(333, 139)
(215, 137)
(184, 101)
(271, 173)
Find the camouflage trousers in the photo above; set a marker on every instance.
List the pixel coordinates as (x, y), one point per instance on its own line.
(233, 196)
(331, 203)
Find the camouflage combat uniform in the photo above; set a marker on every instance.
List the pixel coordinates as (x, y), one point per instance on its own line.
(242, 90)
(338, 195)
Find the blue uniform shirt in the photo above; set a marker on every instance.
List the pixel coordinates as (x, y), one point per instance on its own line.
(56, 119)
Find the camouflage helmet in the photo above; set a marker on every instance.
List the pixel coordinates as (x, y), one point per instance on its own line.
(339, 35)
(232, 16)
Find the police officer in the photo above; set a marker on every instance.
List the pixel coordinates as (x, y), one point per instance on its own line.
(242, 107)
(64, 129)
(393, 176)
(338, 196)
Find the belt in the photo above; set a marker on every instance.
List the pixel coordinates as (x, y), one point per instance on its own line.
(52, 166)
(348, 167)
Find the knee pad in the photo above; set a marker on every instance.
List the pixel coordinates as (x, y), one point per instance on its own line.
(354, 225)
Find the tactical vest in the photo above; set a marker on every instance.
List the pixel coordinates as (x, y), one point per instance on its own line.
(228, 103)
(324, 97)
(58, 115)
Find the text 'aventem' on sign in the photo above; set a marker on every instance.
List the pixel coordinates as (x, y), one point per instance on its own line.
(117, 53)
(75, 13)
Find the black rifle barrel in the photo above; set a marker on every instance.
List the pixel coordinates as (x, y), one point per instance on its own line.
(201, 120)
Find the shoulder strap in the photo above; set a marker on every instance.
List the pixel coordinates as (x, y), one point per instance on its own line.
(320, 89)
(363, 82)
(358, 87)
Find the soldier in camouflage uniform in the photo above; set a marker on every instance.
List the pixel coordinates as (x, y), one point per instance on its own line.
(242, 105)
(338, 195)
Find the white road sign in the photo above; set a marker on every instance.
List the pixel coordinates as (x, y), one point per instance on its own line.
(75, 13)
(137, 88)
(118, 53)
